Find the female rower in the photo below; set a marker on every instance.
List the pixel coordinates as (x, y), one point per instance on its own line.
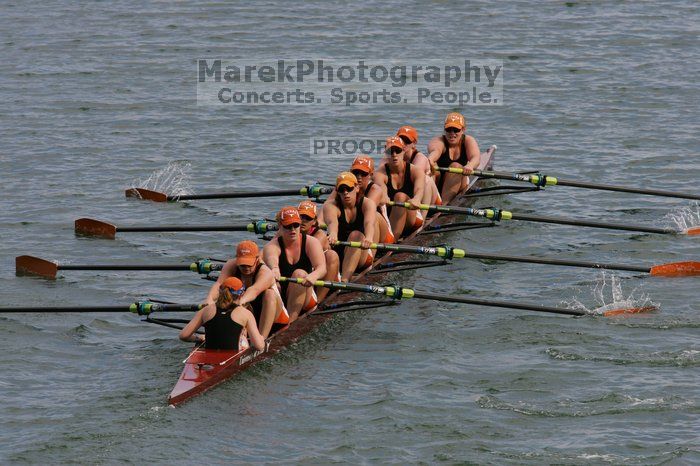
(351, 217)
(403, 183)
(363, 169)
(295, 254)
(308, 213)
(224, 321)
(409, 136)
(260, 287)
(453, 149)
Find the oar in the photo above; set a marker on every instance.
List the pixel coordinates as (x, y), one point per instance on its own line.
(672, 269)
(142, 308)
(497, 214)
(30, 265)
(91, 227)
(312, 191)
(545, 180)
(397, 292)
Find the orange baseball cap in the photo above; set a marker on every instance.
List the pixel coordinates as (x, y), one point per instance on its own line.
(364, 163)
(307, 208)
(234, 284)
(247, 253)
(395, 141)
(408, 131)
(347, 179)
(288, 215)
(455, 120)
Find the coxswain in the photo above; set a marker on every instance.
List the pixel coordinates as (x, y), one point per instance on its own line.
(260, 287)
(363, 169)
(351, 217)
(224, 321)
(308, 212)
(409, 136)
(403, 183)
(294, 254)
(455, 149)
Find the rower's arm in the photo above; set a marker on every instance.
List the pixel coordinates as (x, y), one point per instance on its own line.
(380, 177)
(271, 257)
(253, 333)
(418, 178)
(330, 214)
(263, 281)
(473, 153)
(187, 333)
(435, 148)
(378, 194)
(318, 260)
(369, 212)
(226, 271)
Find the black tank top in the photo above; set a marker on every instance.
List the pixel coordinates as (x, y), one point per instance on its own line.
(407, 186)
(444, 161)
(287, 269)
(345, 227)
(255, 304)
(222, 332)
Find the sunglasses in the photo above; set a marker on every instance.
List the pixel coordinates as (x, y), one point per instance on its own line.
(394, 150)
(306, 218)
(293, 226)
(359, 173)
(345, 189)
(235, 292)
(452, 130)
(406, 140)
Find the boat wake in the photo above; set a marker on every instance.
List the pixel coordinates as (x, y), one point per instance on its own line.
(173, 179)
(606, 404)
(609, 296)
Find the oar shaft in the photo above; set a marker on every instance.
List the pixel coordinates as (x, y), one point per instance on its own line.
(156, 228)
(141, 308)
(32, 309)
(624, 189)
(407, 293)
(236, 195)
(497, 214)
(540, 180)
(562, 262)
(125, 267)
(501, 304)
(312, 191)
(590, 224)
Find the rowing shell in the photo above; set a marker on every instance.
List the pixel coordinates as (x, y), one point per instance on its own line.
(205, 368)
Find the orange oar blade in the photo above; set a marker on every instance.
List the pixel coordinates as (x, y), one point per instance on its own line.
(676, 269)
(629, 310)
(90, 227)
(146, 194)
(30, 265)
(692, 231)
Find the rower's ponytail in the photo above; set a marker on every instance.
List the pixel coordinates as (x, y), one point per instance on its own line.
(225, 299)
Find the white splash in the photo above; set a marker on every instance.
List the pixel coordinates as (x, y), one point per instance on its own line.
(609, 295)
(173, 179)
(684, 218)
